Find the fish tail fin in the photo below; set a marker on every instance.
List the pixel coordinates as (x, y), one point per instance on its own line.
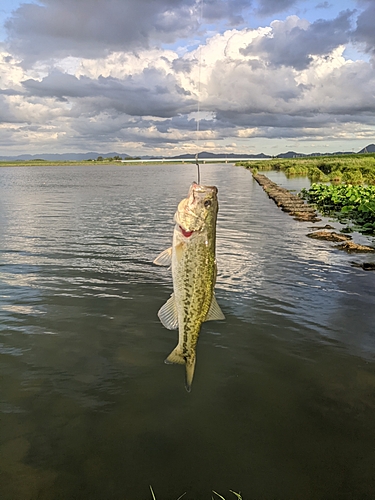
(177, 356)
(189, 372)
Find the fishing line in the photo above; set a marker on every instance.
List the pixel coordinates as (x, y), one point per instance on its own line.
(199, 91)
(199, 172)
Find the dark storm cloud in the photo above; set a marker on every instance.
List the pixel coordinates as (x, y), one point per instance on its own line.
(57, 28)
(293, 44)
(150, 93)
(270, 7)
(215, 10)
(271, 120)
(10, 92)
(183, 122)
(88, 28)
(365, 30)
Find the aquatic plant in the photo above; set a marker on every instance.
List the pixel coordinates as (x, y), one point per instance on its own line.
(238, 495)
(335, 176)
(352, 176)
(346, 201)
(300, 170)
(315, 174)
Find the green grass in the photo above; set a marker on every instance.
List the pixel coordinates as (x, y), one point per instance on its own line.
(45, 163)
(343, 185)
(353, 169)
(116, 160)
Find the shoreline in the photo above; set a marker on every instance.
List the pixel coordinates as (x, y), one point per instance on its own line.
(303, 212)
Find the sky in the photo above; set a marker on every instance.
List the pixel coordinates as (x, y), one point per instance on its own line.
(168, 77)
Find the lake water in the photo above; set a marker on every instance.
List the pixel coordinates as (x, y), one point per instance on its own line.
(283, 400)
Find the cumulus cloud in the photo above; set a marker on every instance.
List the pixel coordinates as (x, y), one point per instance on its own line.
(293, 42)
(58, 28)
(150, 93)
(86, 88)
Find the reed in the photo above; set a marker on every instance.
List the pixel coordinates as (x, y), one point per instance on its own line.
(237, 495)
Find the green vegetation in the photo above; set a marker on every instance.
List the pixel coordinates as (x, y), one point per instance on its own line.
(40, 162)
(345, 201)
(343, 185)
(351, 169)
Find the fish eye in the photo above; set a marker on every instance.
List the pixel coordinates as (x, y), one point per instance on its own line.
(207, 203)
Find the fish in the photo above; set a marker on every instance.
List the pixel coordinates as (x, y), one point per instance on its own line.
(193, 262)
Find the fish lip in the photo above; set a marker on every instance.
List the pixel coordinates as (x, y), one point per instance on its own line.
(185, 233)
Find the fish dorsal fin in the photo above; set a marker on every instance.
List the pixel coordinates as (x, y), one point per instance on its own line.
(214, 313)
(168, 314)
(165, 258)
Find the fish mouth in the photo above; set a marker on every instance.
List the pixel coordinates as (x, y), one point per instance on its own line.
(187, 234)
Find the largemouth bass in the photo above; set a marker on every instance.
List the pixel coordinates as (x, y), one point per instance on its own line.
(192, 257)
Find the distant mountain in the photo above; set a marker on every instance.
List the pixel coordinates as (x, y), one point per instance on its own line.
(368, 149)
(293, 154)
(92, 155)
(206, 154)
(290, 154)
(63, 156)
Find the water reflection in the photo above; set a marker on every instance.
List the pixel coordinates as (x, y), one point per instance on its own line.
(283, 400)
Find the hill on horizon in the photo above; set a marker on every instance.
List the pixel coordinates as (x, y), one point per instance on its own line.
(368, 149)
(92, 155)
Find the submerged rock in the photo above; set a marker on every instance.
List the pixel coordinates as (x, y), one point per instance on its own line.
(349, 246)
(345, 239)
(329, 236)
(319, 228)
(366, 266)
(302, 211)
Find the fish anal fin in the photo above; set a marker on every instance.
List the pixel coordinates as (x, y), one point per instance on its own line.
(214, 313)
(175, 357)
(168, 314)
(165, 258)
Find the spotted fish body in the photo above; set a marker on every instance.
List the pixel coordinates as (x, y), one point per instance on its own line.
(192, 256)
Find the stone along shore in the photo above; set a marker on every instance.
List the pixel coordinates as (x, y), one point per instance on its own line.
(288, 202)
(301, 211)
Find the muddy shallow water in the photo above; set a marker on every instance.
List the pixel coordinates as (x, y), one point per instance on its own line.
(283, 399)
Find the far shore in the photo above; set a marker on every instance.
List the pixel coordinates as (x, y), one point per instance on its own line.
(90, 163)
(67, 163)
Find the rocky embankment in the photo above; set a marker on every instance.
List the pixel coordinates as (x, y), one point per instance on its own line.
(287, 201)
(301, 211)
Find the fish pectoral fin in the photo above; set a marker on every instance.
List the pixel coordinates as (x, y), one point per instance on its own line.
(168, 314)
(165, 258)
(214, 313)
